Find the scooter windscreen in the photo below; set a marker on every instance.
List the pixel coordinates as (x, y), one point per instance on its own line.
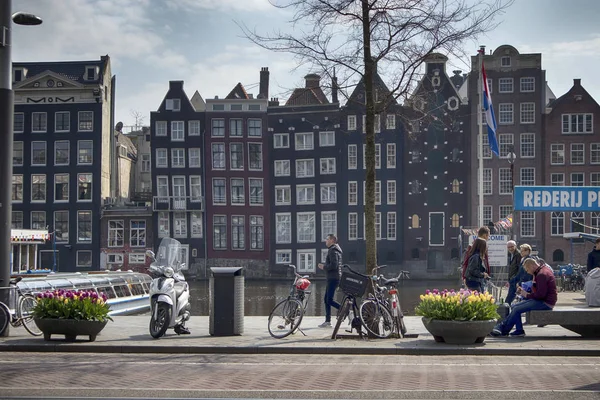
(169, 254)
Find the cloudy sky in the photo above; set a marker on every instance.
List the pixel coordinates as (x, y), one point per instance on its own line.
(153, 41)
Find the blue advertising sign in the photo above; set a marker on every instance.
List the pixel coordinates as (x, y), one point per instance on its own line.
(557, 198)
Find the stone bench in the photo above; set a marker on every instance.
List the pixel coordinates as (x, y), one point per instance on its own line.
(582, 319)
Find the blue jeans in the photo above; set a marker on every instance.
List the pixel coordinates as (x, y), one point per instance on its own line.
(514, 318)
(512, 292)
(474, 285)
(332, 284)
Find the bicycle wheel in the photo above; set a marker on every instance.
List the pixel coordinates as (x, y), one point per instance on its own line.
(285, 318)
(342, 315)
(4, 318)
(26, 305)
(376, 318)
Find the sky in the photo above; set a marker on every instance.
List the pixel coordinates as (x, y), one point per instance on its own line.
(151, 42)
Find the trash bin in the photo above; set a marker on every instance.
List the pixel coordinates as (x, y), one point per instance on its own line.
(226, 301)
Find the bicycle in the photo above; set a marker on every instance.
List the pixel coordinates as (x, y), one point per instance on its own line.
(286, 316)
(354, 285)
(393, 301)
(375, 313)
(22, 315)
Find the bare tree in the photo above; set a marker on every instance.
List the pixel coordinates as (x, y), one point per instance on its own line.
(138, 119)
(360, 38)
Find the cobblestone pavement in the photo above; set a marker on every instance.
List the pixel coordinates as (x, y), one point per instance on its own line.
(293, 374)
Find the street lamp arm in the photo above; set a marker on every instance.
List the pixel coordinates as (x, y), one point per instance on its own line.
(21, 18)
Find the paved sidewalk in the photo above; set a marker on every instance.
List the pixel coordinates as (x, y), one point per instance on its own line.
(130, 335)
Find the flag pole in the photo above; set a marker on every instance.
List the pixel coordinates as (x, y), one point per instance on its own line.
(480, 136)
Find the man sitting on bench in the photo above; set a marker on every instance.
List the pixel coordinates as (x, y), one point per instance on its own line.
(543, 296)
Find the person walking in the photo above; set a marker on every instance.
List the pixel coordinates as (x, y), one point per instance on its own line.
(593, 260)
(514, 264)
(483, 234)
(476, 271)
(332, 268)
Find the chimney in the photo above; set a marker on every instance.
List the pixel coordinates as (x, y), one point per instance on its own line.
(264, 83)
(576, 82)
(312, 81)
(334, 89)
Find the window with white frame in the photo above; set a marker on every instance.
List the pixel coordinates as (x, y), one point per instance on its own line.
(352, 156)
(351, 122)
(162, 187)
(557, 154)
(137, 233)
(137, 258)
(218, 127)
(352, 193)
(62, 121)
(505, 113)
(179, 192)
(238, 227)
(116, 233)
(162, 160)
(557, 179)
(324, 255)
(305, 194)
(377, 155)
(527, 145)
(177, 158)
(146, 163)
(38, 220)
(305, 168)
(577, 221)
(391, 192)
(84, 258)
(577, 153)
(487, 181)
(377, 192)
(527, 176)
(84, 226)
(306, 260)
(218, 155)
(61, 187)
(283, 228)
(84, 187)
(577, 179)
(164, 228)
(527, 84)
(18, 122)
(38, 153)
(506, 142)
(283, 195)
(281, 140)
(236, 156)
(193, 128)
(504, 181)
(326, 139)
(195, 188)
(505, 61)
(594, 153)
(115, 259)
(61, 226)
(377, 123)
(237, 191)
(487, 214)
(255, 157)
(527, 113)
(505, 210)
(490, 83)
(257, 232)
(161, 128)
(256, 191)
(282, 167)
(85, 152)
(328, 224)
(353, 226)
(595, 222)
(196, 224)
(391, 226)
(305, 141)
(391, 155)
(577, 123)
(173, 104)
(38, 188)
(177, 131)
(283, 256)
(236, 127)
(39, 122)
(505, 85)
(219, 232)
(595, 179)
(377, 225)
(254, 127)
(487, 151)
(327, 166)
(390, 121)
(557, 223)
(305, 227)
(194, 155)
(18, 154)
(180, 224)
(328, 193)
(219, 190)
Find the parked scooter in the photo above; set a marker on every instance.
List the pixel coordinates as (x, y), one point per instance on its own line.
(169, 292)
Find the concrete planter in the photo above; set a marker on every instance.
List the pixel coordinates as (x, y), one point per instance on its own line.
(71, 328)
(459, 332)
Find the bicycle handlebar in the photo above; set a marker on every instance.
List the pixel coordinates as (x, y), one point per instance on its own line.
(292, 266)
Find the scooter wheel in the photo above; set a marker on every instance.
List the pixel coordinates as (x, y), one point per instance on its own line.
(159, 326)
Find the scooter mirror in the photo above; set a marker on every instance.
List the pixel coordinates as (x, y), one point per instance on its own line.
(150, 253)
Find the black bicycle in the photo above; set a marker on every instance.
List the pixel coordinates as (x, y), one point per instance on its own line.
(354, 285)
(286, 316)
(19, 313)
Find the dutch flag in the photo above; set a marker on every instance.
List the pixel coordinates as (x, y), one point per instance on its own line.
(489, 114)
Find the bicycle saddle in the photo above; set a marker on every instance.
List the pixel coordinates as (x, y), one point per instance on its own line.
(389, 281)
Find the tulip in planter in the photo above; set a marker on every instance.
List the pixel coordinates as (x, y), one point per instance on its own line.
(71, 313)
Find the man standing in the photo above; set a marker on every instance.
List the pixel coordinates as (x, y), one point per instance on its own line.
(332, 267)
(593, 260)
(514, 263)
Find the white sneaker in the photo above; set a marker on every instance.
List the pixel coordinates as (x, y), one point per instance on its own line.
(325, 324)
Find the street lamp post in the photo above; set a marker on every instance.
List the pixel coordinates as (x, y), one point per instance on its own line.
(511, 157)
(6, 136)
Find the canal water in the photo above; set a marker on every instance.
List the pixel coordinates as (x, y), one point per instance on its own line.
(261, 296)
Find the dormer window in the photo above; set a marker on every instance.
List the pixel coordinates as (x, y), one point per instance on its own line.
(19, 74)
(90, 74)
(173, 104)
(505, 61)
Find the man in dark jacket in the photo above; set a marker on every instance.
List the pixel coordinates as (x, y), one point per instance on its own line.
(593, 260)
(332, 268)
(514, 263)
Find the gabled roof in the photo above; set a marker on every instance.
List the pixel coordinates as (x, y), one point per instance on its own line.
(65, 82)
(569, 97)
(238, 92)
(307, 97)
(358, 95)
(198, 102)
(73, 70)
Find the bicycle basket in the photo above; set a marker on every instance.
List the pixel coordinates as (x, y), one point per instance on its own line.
(353, 284)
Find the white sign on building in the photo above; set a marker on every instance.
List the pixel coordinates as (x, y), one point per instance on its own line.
(496, 247)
